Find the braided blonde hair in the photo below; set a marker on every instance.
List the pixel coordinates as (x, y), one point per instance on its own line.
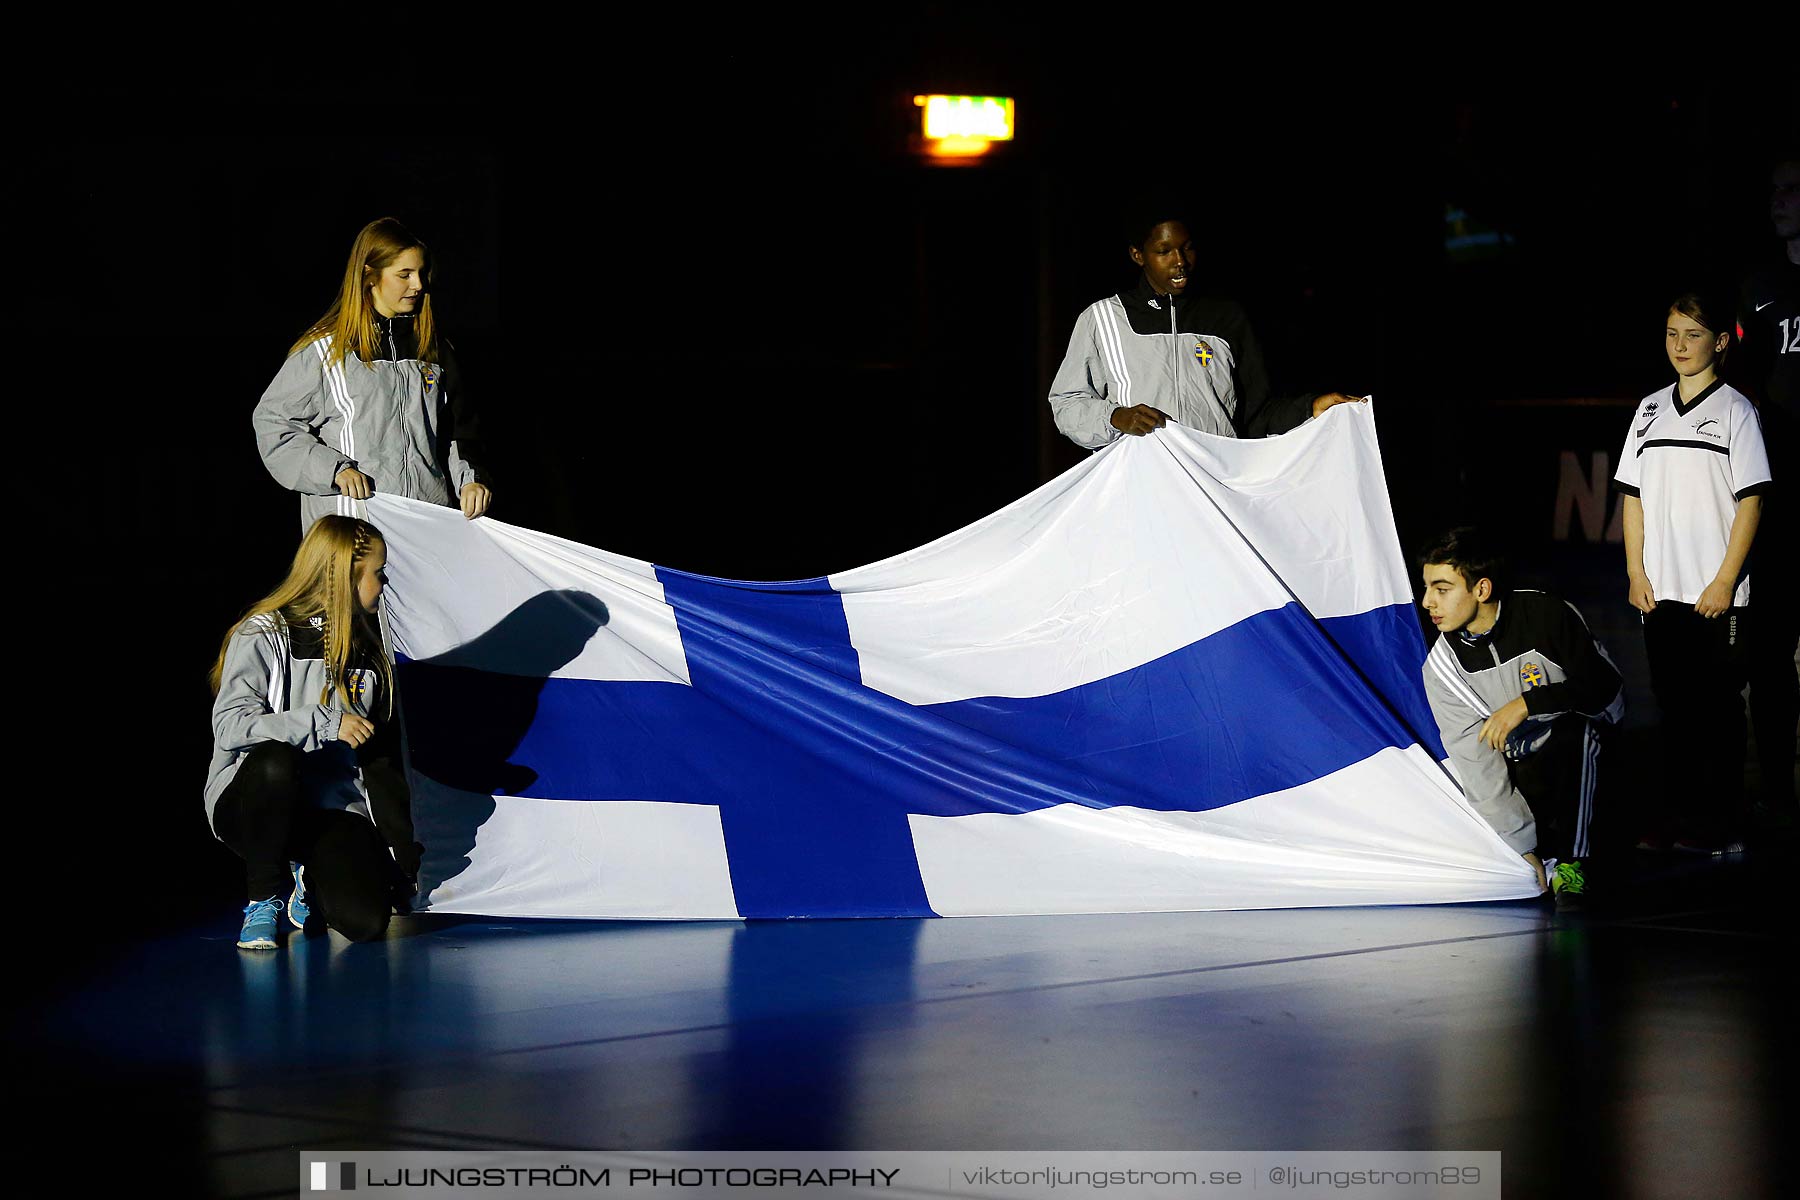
(322, 583)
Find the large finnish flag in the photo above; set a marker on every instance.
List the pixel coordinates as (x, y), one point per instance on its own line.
(1183, 675)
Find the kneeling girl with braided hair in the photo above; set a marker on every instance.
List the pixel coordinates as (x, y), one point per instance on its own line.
(305, 764)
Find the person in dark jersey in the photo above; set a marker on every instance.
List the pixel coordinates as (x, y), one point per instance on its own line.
(1768, 371)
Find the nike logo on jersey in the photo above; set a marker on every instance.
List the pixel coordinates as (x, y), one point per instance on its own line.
(1764, 305)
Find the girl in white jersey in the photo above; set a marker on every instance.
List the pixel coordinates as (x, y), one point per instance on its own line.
(1693, 471)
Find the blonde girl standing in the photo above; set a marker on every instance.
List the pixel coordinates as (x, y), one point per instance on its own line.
(370, 397)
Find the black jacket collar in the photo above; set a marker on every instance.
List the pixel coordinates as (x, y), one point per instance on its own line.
(1149, 310)
(1490, 633)
(1206, 316)
(396, 337)
(1145, 296)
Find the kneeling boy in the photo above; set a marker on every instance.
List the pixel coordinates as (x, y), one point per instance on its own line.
(1518, 686)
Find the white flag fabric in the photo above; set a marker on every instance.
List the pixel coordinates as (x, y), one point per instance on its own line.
(1183, 675)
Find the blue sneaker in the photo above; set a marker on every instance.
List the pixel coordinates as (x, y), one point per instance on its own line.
(296, 905)
(260, 920)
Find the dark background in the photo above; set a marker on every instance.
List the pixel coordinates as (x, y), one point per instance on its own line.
(720, 318)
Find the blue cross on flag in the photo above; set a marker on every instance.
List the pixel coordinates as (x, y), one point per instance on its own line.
(1185, 674)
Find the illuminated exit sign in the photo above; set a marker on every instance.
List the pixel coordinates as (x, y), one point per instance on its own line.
(964, 126)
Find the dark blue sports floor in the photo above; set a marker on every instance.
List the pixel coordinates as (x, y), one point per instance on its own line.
(1637, 1048)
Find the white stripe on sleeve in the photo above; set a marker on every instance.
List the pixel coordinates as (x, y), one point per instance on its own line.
(1441, 661)
(1107, 326)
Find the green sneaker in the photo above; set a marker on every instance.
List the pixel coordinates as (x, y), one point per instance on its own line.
(1569, 885)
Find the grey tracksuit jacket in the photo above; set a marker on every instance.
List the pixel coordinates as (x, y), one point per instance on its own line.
(405, 423)
(1539, 648)
(269, 692)
(1193, 357)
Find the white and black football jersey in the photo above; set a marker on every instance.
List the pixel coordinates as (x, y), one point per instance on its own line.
(1690, 463)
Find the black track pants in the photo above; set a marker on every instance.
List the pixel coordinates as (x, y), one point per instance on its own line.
(1697, 670)
(1774, 684)
(266, 819)
(1558, 784)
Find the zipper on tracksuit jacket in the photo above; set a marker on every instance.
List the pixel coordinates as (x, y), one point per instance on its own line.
(1175, 347)
(408, 477)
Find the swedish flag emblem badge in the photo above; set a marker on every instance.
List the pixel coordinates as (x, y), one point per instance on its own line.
(431, 374)
(1531, 675)
(1203, 352)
